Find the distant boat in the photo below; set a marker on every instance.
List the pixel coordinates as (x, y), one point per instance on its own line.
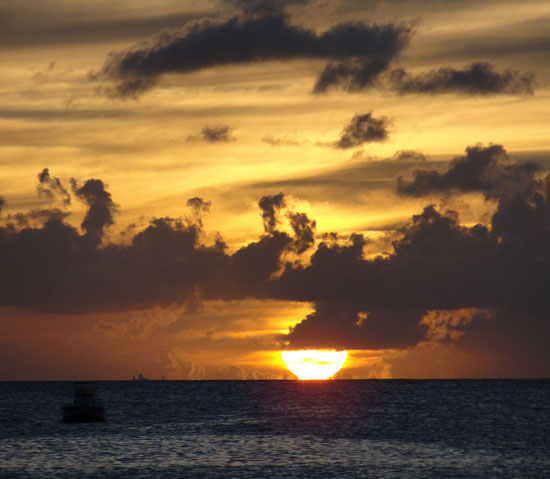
(85, 407)
(141, 378)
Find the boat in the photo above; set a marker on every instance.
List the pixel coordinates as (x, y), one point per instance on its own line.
(85, 407)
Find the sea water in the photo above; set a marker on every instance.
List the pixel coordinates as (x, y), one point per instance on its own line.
(306, 429)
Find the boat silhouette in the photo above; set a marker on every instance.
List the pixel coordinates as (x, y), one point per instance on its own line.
(85, 407)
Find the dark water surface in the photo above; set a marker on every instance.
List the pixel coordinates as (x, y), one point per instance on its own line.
(257, 429)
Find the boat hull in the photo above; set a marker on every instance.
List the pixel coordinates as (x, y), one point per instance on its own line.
(83, 413)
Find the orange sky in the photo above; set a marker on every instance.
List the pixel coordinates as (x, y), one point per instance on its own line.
(212, 292)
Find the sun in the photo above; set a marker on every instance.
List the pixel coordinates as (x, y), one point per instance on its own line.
(314, 364)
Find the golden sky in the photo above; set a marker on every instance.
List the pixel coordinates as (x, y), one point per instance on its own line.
(361, 113)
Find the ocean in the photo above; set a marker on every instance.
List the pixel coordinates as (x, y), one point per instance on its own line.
(287, 429)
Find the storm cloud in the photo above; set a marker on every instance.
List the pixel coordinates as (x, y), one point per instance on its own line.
(357, 52)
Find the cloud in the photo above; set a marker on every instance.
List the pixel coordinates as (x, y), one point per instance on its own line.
(270, 205)
(304, 231)
(101, 207)
(199, 207)
(358, 51)
(351, 75)
(488, 170)
(274, 141)
(35, 217)
(363, 128)
(336, 326)
(50, 187)
(437, 264)
(478, 78)
(217, 134)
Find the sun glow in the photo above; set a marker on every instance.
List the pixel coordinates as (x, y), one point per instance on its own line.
(314, 364)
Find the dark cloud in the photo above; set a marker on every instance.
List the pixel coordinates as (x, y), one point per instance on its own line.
(363, 51)
(253, 265)
(199, 207)
(50, 187)
(270, 206)
(2, 203)
(304, 231)
(476, 79)
(488, 170)
(217, 134)
(337, 326)
(101, 207)
(351, 75)
(363, 128)
(437, 264)
(35, 217)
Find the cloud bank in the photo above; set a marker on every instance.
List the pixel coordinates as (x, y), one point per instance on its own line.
(500, 271)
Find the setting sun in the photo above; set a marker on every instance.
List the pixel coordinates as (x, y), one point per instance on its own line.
(314, 364)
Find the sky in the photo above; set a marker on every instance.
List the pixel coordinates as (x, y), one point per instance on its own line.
(187, 187)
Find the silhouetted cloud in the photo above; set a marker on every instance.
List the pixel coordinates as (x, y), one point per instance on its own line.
(363, 128)
(363, 51)
(252, 266)
(437, 264)
(216, 134)
(35, 217)
(351, 75)
(476, 79)
(487, 170)
(337, 326)
(199, 207)
(50, 187)
(409, 155)
(101, 207)
(270, 205)
(304, 231)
